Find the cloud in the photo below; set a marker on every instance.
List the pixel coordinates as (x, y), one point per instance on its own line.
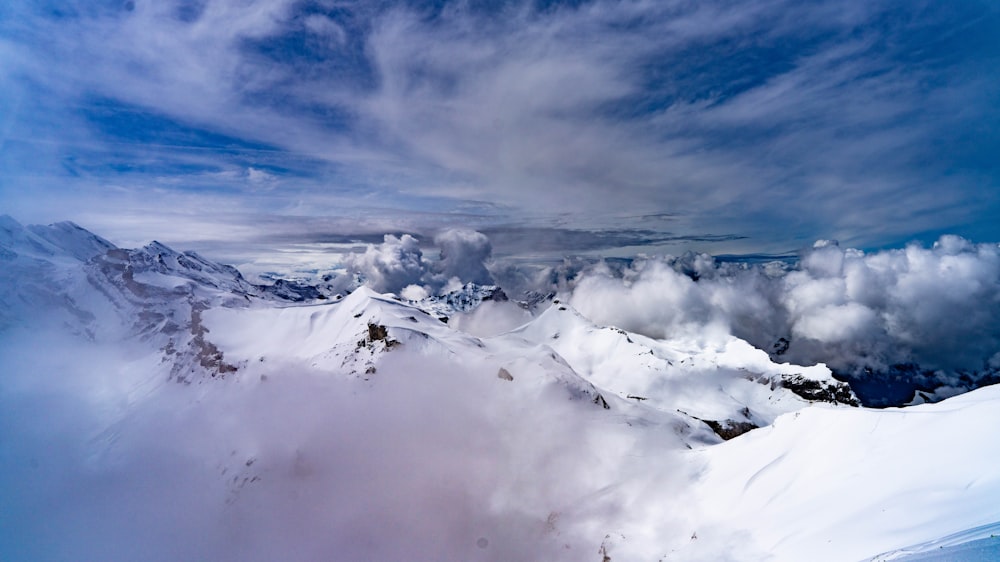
(391, 265)
(464, 254)
(398, 263)
(492, 318)
(934, 306)
(432, 457)
(778, 120)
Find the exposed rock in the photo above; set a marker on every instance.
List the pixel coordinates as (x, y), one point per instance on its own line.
(600, 401)
(377, 332)
(818, 391)
(464, 299)
(206, 353)
(728, 429)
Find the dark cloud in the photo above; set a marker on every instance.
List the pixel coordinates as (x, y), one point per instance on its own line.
(561, 241)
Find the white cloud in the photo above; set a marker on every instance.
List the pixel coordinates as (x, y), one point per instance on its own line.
(938, 306)
(398, 263)
(327, 28)
(492, 318)
(601, 111)
(836, 323)
(464, 254)
(390, 266)
(414, 293)
(651, 298)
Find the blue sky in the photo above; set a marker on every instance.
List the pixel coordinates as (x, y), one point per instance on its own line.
(722, 126)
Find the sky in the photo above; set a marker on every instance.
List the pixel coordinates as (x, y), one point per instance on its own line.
(563, 127)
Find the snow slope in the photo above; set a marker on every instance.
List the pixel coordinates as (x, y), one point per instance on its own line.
(978, 544)
(717, 378)
(846, 484)
(353, 336)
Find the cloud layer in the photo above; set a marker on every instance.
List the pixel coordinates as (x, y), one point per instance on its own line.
(938, 307)
(784, 121)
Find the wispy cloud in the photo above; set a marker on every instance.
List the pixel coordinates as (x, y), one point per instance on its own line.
(778, 120)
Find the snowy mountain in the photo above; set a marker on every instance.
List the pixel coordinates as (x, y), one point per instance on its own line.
(273, 422)
(464, 299)
(68, 276)
(836, 484)
(721, 380)
(36, 267)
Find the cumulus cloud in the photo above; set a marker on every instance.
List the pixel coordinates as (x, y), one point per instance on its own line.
(398, 264)
(395, 263)
(938, 306)
(464, 254)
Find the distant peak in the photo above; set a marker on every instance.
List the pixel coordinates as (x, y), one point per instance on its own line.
(68, 225)
(157, 246)
(7, 222)
(364, 292)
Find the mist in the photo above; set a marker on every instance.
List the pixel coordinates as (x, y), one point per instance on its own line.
(103, 459)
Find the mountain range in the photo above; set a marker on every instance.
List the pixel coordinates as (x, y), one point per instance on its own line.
(159, 395)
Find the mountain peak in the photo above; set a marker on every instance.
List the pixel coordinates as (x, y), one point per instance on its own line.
(72, 239)
(157, 247)
(8, 222)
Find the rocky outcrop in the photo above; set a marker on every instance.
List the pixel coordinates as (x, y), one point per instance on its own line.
(835, 392)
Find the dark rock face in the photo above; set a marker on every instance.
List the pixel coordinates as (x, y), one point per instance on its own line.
(817, 391)
(728, 429)
(377, 332)
(496, 295)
